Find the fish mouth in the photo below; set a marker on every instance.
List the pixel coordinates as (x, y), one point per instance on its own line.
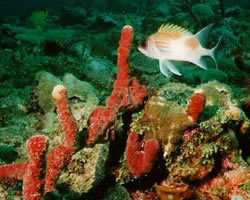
(143, 51)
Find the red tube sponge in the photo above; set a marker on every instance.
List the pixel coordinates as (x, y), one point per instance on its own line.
(29, 172)
(126, 95)
(13, 171)
(140, 162)
(32, 182)
(60, 155)
(196, 105)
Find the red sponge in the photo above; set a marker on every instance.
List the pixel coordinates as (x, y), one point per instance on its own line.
(196, 105)
(140, 154)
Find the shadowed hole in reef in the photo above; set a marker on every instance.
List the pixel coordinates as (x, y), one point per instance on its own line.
(214, 173)
(243, 141)
(158, 173)
(53, 196)
(8, 154)
(51, 48)
(117, 147)
(208, 112)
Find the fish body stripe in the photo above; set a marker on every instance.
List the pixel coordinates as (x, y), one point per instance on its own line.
(192, 43)
(162, 39)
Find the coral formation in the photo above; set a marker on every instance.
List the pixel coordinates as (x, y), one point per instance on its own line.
(61, 155)
(140, 155)
(29, 172)
(46, 83)
(196, 106)
(126, 95)
(32, 182)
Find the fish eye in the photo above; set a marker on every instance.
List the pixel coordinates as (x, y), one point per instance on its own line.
(143, 43)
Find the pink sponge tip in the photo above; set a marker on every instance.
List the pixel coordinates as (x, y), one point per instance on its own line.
(36, 146)
(58, 92)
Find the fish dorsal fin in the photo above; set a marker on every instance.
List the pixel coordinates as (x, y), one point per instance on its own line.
(203, 34)
(171, 28)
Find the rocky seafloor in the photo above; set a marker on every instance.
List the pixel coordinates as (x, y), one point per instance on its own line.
(203, 158)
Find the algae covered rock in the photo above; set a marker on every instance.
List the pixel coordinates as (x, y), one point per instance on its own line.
(215, 138)
(203, 12)
(167, 122)
(228, 41)
(80, 89)
(164, 117)
(15, 122)
(86, 169)
(46, 83)
(117, 192)
(75, 89)
(100, 71)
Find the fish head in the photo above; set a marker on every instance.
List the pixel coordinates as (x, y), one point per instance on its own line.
(143, 46)
(148, 47)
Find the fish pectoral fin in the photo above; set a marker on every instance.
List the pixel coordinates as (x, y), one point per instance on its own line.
(201, 63)
(163, 68)
(165, 65)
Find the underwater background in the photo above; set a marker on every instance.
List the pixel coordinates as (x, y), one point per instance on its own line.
(85, 115)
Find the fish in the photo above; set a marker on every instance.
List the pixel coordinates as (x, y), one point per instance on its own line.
(172, 42)
(39, 18)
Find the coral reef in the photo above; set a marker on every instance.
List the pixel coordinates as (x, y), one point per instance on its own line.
(116, 137)
(30, 172)
(207, 147)
(61, 155)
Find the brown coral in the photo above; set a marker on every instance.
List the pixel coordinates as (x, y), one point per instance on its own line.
(166, 121)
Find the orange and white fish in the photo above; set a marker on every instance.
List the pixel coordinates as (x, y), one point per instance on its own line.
(173, 42)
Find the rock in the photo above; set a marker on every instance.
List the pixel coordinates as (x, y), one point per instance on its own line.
(100, 71)
(72, 16)
(203, 12)
(106, 21)
(46, 83)
(79, 89)
(86, 169)
(78, 49)
(228, 41)
(117, 192)
(75, 88)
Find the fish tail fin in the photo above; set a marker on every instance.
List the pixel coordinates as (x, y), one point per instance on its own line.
(212, 52)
